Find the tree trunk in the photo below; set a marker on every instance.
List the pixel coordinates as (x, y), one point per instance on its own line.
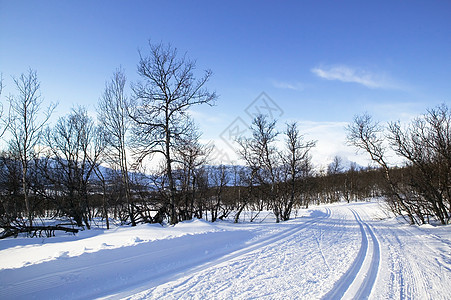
(240, 210)
(173, 215)
(25, 193)
(126, 181)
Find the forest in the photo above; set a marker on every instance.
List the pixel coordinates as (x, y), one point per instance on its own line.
(82, 170)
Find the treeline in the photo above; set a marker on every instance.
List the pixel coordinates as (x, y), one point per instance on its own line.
(209, 192)
(83, 169)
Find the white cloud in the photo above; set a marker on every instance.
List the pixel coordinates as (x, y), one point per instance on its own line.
(348, 74)
(296, 86)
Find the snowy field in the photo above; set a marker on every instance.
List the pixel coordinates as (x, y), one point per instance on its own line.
(349, 251)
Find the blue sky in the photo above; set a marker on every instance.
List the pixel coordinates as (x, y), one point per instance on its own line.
(321, 62)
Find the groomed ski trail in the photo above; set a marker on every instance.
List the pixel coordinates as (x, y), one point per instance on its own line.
(284, 269)
(359, 279)
(338, 251)
(236, 255)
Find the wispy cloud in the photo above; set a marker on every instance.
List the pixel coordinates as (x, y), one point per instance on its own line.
(356, 75)
(296, 86)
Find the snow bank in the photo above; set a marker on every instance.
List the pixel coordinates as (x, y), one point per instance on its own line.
(20, 252)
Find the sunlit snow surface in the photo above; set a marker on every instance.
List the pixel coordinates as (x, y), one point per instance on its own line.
(332, 251)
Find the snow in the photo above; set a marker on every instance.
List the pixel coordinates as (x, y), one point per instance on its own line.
(334, 251)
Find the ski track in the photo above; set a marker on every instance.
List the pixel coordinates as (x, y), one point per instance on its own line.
(338, 252)
(370, 277)
(355, 272)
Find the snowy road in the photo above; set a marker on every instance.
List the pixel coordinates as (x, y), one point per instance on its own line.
(337, 251)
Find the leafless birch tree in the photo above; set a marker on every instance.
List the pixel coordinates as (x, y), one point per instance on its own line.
(297, 160)
(26, 126)
(75, 145)
(114, 117)
(261, 156)
(167, 90)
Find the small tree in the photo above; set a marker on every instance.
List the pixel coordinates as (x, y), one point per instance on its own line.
(220, 180)
(190, 156)
(426, 145)
(336, 166)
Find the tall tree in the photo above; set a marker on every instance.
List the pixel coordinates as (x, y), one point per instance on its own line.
(167, 90)
(114, 117)
(26, 125)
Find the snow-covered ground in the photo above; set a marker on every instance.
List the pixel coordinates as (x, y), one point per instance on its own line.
(349, 251)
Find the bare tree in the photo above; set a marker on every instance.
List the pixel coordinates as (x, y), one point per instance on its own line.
(369, 136)
(261, 156)
(114, 117)
(103, 183)
(298, 163)
(10, 195)
(241, 176)
(334, 172)
(220, 180)
(75, 145)
(167, 90)
(190, 156)
(336, 166)
(426, 145)
(26, 125)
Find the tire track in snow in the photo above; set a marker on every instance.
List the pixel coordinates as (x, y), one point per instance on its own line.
(355, 271)
(267, 241)
(338, 223)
